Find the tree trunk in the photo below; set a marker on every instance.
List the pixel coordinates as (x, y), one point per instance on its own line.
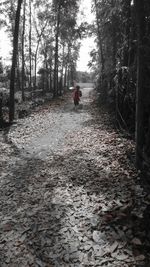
(56, 51)
(18, 74)
(65, 77)
(62, 69)
(1, 106)
(47, 75)
(100, 42)
(50, 79)
(30, 51)
(14, 62)
(35, 64)
(36, 52)
(140, 84)
(23, 60)
(51, 72)
(128, 29)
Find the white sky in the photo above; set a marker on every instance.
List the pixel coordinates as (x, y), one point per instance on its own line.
(5, 47)
(86, 47)
(86, 44)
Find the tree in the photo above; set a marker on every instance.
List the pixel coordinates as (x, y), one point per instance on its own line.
(23, 52)
(14, 62)
(143, 83)
(30, 44)
(39, 36)
(123, 28)
(66, 15)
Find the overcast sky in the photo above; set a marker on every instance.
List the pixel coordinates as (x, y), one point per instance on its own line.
(5, 47)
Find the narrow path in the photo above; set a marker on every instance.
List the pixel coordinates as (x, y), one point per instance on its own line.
(69, 199)
(47, 131)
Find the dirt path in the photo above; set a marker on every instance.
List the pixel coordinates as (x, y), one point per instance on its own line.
(68, 193)
(49, 129)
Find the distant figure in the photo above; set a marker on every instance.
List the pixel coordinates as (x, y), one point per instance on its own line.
(76, 95)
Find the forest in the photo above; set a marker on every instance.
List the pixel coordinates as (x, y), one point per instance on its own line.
(75, 181)
(45, 32)
(123, 62)
(48, 32)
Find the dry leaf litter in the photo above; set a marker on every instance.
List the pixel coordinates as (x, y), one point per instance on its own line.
(70, 195)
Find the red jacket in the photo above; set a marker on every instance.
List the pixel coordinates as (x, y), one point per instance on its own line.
(76, 95)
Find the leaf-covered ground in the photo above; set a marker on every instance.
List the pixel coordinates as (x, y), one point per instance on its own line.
(70, 195)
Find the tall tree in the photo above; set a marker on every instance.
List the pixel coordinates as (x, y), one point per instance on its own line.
(23, 52)
(141, 90)
(30, 44)
(99, 34)
(14, 62)
(57, 10)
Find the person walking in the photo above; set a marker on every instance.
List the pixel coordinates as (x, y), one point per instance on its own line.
(76, 96)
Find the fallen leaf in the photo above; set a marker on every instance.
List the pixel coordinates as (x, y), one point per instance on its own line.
(136, 241)
(113, 247)
(140, 258)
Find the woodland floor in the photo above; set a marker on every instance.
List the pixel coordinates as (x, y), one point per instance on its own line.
(69, 193)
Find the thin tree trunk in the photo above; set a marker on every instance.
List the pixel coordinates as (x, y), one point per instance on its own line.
(140, 85)
(128, 28)
(68, 67)
(47, 78)
(56, 51)
(65, 77)
(18, 74)
(1, 112)
(62, 69)
(35, 64)
(100, 42)
(23, 60)
(14, 62)
(68, 77)
(51, 72)
(36, 52)
(50, 79)
(114, 39)
(30, 51)
(128, 34)
(114, 48)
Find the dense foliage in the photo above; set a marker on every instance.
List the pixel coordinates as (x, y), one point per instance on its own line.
(122, 57)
